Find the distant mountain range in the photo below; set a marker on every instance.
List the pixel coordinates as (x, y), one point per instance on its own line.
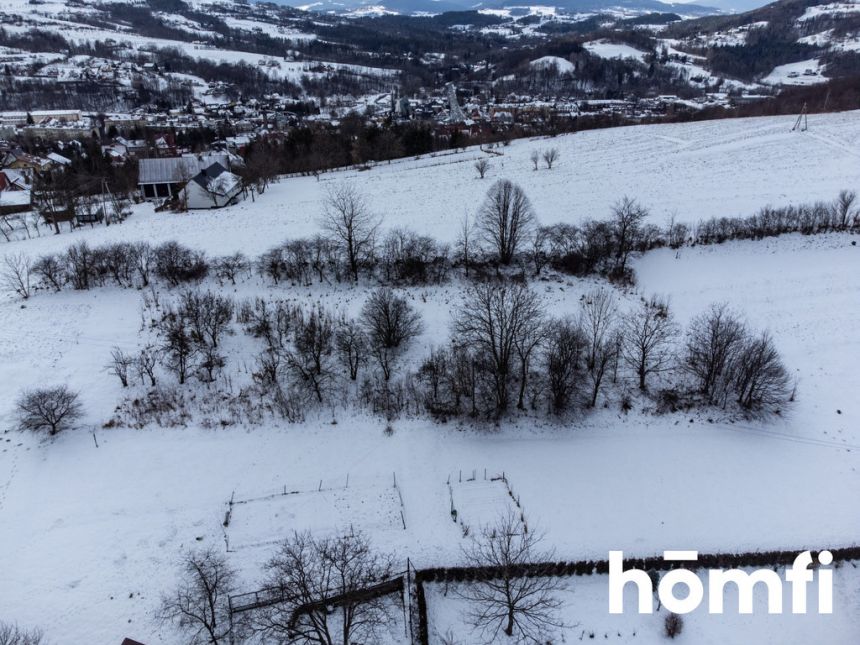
(413, 7)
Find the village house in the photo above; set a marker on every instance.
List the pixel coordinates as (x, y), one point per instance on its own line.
(164, 177)
(23, 162)
(14, 192)
(212, 187)
(13, 180)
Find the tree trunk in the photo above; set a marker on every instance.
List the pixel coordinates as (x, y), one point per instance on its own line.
(509, 628)
(524, 371)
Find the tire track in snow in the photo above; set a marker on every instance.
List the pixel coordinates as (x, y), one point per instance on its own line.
(824, 443)
(833, 144)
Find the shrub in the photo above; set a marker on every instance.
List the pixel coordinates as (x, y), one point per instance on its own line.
(52, 409)
(673, 625)
(176, 264)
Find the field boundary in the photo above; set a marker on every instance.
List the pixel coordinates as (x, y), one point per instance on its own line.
(410, 583)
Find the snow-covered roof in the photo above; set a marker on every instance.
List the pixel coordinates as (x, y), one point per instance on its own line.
(217, 179)
(168, 170)
(60, 159)
(14, 197)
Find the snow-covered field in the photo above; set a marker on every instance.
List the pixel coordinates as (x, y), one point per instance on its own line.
(690, 171)
(796, 74)
(606, 49)
(587, 620)
(561, 65)
(92, 523)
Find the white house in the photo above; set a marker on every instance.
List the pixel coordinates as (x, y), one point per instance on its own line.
(164, 177)
(212, 187)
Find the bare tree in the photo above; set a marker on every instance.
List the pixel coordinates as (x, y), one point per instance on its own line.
(181, 177)
(466, 243)
(230, 267)
(198, 606)
(349, 221)
(605, 355)
(50, 408)
(6, 227)
(761, 379)
(598, 313)
(178, 346)
(259, 170)
(550, 157)
(144, 259)
(506, 219)
(676, 232)
(390, 324)
(16, 274)
(210, 364)
(493, 321)
(351, 345)
(713, 342)
(646, 339)
(529, 336)
(56, 196)
(50, 271)
(11, 634)
(310, 363)
(843, 208)
(563, 362)
(176, 263)
(120, 365)
(120, 207)
(627, 219)
(522, 607)
(80, 265)
(540, 248)
(146, 362)
(482, 166)
(323, 580)
(208, 315)
(535, 158)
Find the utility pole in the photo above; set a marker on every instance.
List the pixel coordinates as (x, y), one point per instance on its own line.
(801, 124)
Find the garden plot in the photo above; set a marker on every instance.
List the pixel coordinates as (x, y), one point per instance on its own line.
(481, 500)
(366, 507)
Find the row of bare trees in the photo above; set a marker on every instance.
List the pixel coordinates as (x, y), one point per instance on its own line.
(311, 355)
(549, 157)
(505, 351)
(12, 634)
(319, 584)
(842, 214)
(504, 348)
(61, 196)
(505, 231)
(322, 591)
(728, 361)
(123, 264)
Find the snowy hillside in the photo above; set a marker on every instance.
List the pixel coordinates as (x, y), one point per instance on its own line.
(782, 43)
(92, 522)
(687, 171)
